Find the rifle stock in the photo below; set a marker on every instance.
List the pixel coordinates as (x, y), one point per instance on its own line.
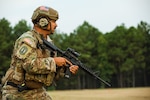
(72, 56)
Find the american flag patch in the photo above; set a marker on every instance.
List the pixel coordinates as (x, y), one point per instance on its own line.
(28, 41)
(44, 8)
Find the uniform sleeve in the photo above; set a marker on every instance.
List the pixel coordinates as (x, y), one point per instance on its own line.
(32, 62)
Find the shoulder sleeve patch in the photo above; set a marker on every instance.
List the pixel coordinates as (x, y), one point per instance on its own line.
(24, 51)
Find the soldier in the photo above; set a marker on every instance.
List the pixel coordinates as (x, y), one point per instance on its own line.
(32, 67)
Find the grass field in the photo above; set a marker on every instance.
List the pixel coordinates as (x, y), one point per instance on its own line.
(103, 94)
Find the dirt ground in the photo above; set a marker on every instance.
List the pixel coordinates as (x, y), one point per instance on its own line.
(103, 94)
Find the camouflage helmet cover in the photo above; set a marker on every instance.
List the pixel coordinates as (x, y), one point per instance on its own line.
(44, 11)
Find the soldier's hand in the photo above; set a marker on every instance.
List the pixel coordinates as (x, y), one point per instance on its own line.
(73, 69)
(60, 61)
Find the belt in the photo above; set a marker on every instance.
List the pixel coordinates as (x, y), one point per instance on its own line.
(20, 87)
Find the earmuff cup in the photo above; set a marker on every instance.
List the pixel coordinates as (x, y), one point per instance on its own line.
(43, 23)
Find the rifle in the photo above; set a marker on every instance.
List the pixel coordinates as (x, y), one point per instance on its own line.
(72, 56)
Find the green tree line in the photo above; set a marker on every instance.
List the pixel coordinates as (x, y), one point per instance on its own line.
(121, 57)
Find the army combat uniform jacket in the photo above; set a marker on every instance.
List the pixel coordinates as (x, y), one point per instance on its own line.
(31, 68)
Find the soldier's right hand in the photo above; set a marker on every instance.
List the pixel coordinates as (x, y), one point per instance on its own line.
(60, 61)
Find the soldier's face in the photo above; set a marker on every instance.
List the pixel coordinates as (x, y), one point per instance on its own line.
(53, 25)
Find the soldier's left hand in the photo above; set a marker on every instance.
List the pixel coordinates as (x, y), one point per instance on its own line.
(73, 69)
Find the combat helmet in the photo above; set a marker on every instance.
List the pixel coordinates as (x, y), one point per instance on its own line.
(44, 11)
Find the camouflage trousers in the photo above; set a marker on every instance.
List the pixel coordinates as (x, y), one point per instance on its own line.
(11, 93)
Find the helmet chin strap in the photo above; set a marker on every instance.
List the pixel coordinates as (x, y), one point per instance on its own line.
(50, 30)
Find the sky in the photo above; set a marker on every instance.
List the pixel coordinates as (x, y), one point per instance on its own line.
(105, 15)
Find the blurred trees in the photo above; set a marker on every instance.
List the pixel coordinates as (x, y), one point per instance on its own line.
(5, 45)
(121, 56)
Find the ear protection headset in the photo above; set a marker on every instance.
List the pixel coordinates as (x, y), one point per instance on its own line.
(43, 23)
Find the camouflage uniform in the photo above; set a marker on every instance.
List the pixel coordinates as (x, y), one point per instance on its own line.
(31, 65)
(0, 91)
